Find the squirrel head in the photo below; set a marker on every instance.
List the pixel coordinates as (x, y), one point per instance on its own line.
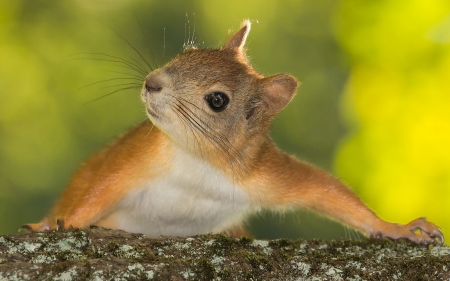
(214, 104)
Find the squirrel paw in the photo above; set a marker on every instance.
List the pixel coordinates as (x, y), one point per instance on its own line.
(42, 226)
(36, 227)
(419, 231)
(59, 224)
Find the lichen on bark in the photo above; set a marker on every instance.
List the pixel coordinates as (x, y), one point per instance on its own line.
(102, 254)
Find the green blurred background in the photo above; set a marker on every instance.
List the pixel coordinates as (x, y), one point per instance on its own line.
(373, 108)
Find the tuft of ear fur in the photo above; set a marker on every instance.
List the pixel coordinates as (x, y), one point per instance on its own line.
(277, 91)
(237, 41)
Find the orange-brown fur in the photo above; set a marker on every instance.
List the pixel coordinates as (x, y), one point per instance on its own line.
(80, 205)
(235, 142)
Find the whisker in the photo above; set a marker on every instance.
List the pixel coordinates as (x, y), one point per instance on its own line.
(186, 120)
(113, 92)
(146, 39)
(138, 71)
(138, 85)
(121, 64)
(124, 73)
(164, 48)
(184, 123)
(129, 44)
(222, 139)
(113, 59)
(219, 140)
(142, 66)
(196, 128)
(191, 103)
(193, 31)
(107, 80)
(151, 129)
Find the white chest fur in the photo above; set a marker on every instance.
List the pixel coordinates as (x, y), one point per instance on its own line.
(192, 198)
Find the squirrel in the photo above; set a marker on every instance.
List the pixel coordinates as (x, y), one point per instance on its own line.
(203, 161)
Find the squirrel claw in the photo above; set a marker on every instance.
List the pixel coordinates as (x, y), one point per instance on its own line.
(429, 233)
(438, 237)
(59, 224)
(36, 227)
(27, 228)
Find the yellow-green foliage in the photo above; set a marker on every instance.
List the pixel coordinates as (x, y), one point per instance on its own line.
(46, 131)
(398, 96)
(397, 155)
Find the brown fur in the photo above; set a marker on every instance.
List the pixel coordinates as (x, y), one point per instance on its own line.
(113, 172)
(235, 141)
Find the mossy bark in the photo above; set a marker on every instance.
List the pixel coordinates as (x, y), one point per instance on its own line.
(101, 254)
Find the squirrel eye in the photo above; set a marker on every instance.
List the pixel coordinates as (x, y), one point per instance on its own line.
(217, 101)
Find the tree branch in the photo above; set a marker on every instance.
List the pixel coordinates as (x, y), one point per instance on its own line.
(102, 254)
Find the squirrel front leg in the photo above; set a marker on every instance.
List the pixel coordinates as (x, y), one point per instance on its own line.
(287, 182)
(88, 197)
(73, 195)
(107, 178)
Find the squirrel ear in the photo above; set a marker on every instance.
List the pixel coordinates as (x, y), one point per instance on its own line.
(237, 41)
(277, 91)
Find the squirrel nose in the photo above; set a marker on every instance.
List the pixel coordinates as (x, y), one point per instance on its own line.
(152, 85)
